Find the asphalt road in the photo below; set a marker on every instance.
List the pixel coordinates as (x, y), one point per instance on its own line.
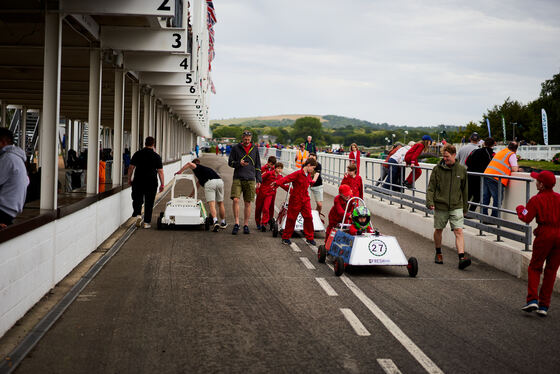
(189, 301)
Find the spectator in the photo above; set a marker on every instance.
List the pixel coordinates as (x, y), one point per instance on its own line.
(126, 159)
(411, 158)
(463, 140)
(310, 145)
(301, 156)
(146, 166)
(385, 167)
(395, 170)
(545, 207)
(447, 196)
(13, 178)
(196, 149)
(246, 162)
(503, 163)
(466, 150)
(213, 190)
(352, 179)
(222, 149)
(217, 149)
(299, 201)
(355, 157)
(317, 188)
(477, 162)
(228, 150)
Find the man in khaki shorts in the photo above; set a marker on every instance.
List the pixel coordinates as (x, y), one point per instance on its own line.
(213, 190)
(447, 196)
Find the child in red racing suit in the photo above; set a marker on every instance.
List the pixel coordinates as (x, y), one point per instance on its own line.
(354, 181)
(336, 214)
(545, 207)
(266, 196)
(299, 201)
(270, 164)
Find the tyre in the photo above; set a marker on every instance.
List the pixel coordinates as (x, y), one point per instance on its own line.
(207, 223)
(161, 214)
(321, 254)
(412, 267)
(338, 266)
(275, 230)
(159, 223)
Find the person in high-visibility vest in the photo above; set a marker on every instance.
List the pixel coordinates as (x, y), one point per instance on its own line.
(301, 156)
(503, 163)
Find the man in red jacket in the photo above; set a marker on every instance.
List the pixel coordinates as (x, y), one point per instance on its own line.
(336, 214)
(352, 179)
(299, 201)
(411, 158)
(266, 196)
(545, 206)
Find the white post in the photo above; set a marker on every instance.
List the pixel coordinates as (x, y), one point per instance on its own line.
(51, 108)
(164, 135)
(94, 113)
(134, 123)
(118, 127)
(151, 131)
(159, 110)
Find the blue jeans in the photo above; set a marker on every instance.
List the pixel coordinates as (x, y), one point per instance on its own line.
(393, 175)
(490, 189)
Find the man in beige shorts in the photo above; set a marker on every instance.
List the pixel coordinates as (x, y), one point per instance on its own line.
(447, 196)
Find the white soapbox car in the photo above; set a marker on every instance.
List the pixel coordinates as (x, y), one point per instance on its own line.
(368, 249)
(279, 223)
(183, 210)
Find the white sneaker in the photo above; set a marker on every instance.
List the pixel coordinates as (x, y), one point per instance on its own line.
(147, 225)
(138, 221)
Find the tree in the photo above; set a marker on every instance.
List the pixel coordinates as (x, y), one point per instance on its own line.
(305, 126)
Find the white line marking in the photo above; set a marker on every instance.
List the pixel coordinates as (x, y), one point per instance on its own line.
(295, 247)
(392, 327)
(388, 366)
(307, 263)
(358, 327)
(326, 287)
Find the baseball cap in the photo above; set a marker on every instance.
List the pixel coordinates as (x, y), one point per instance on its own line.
(345, 190)
(427, 137)
(474, 136)
(545, 177)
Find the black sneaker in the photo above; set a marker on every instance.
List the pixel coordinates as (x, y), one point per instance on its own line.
(223, 225)
(235, 229)
(263, 228)
(245, 229)
(216, 226)
(312, 242)
(439, 258)
(542, 311)
(464, 262)
(286, 241)
(531, 306)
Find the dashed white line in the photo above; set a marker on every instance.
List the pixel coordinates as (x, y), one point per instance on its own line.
(392, 327)
(358, 327)
(388, 366)
(326, 287)
(307, 263)
(295, 247)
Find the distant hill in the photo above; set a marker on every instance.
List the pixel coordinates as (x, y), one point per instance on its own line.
(282, 118)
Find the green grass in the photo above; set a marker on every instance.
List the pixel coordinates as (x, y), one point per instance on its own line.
(541, 165)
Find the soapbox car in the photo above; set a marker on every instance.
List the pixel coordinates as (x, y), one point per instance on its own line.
(368, 249)
(279, 223)
(184, 210)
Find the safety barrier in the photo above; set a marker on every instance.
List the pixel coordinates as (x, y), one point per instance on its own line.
(505, 225)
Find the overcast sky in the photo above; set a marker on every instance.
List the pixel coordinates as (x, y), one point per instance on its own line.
(404, 62)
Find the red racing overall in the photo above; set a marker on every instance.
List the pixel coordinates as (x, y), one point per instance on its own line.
(411, 158)
(264, 205)
(545, 206)
(356, 184)
(336, 214)
(299, 203)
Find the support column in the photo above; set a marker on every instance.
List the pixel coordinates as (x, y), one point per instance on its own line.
(151, 131)
(118, 128)
(23, 128)
(94, 114)
(159, 109)
(146, 125)
(134, 123)
(4, 114)
(51, 108)
(164, 134)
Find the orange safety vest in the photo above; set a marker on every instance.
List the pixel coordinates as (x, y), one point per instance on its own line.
(500, 165)
(300, 158)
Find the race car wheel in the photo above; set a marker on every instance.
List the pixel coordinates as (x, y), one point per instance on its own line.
(161, 214)
(275, 230)
(159, 223)
(412, 267)
(207, 223)
(321, 254)
(338, 266)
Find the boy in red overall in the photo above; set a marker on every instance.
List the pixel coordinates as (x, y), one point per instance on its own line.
(299, 201)
(266, 196)
(545, 206)
(336, 214)
(354, 181)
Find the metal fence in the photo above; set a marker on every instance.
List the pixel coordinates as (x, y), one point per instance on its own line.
(504, 225)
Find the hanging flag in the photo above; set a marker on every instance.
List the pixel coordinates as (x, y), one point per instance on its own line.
(544, 126)
(212, 88)
(211, 12)
(488, 124)
(504, 128)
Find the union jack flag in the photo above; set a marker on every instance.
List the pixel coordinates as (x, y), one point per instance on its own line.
(211, 12)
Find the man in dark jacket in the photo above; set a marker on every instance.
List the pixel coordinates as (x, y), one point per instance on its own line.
(310, 145)
(245, 160)
(447, 195)
(477, 162)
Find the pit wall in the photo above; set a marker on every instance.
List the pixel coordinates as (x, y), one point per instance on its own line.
(33, 263)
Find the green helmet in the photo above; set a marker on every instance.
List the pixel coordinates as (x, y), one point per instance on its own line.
(361, 211)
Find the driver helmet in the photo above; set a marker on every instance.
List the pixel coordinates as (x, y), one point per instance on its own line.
(361, 211)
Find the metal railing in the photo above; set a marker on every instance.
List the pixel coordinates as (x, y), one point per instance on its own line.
(414, 196)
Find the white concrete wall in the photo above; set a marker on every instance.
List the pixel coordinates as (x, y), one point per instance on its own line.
(33, 263)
